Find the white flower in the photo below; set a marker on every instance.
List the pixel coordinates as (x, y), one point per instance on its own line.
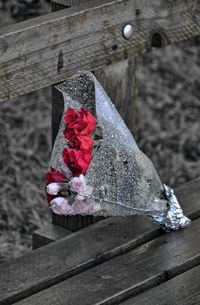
(78, 185)
(60, 206)
(83, 208)
(53, 188)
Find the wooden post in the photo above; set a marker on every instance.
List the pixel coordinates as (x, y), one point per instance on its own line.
(119, 82)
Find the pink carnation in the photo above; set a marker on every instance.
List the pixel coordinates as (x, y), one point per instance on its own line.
(84, 208)
(60, 206)
(78, 185)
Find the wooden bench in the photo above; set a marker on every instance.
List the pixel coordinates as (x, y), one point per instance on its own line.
(116, 260)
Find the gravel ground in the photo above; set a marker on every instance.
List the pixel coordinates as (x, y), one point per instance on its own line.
(168, 131)
(168, 107)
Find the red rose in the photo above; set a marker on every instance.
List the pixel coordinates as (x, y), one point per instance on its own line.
(77, 160)
(68, 133)
(53, 176)
(79, 122)
(50, 198)
(81, 142)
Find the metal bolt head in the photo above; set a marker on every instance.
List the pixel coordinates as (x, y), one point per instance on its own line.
(128, 31)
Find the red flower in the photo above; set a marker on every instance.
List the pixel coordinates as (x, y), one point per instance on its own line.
(83, 143)
(79, 122)
(79, 125)
(77, 160)
(69, 133)
(50, 198)
(53, 176)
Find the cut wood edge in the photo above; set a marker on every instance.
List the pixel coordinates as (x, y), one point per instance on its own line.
(48, 234)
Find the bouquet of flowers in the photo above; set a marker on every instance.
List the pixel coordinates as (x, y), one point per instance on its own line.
(96, 167)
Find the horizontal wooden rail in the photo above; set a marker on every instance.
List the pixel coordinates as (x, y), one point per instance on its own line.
(49, 49)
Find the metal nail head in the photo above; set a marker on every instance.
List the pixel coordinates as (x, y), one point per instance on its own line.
(128, 31)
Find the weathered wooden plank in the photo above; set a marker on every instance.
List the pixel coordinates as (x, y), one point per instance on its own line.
(82, 250)
(56, 113)
(182, 290)
(47, 235)
(71, 255)
(48, 49)
(128, 274)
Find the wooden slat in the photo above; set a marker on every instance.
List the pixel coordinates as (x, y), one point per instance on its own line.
(50, 48)
(47, 235)
(82, 250)
(71, 255)
(128, 274)
(182, 290)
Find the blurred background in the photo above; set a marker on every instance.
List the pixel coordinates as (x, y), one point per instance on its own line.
(167, 130)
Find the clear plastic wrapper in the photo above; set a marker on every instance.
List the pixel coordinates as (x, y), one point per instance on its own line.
(96, 167)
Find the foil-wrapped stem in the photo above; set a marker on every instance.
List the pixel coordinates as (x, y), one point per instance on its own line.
(173, 218)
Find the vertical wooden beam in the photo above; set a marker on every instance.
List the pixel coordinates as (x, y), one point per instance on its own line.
(119, 82)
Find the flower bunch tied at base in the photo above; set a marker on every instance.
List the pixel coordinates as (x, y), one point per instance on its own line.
(66, 188)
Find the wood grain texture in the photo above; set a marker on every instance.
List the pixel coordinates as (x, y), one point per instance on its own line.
(182, 290)
(75, 222)
(128, 274)
(69, 3)
(82, 250)
(48, 49)
(119, 82)
(47, 235)
(71, 255)
(56, 112)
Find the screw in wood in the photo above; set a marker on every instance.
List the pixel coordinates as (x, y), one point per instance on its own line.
(127, 31)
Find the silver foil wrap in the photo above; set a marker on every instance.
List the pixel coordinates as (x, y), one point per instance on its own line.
(173, 218)
(123, 179)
